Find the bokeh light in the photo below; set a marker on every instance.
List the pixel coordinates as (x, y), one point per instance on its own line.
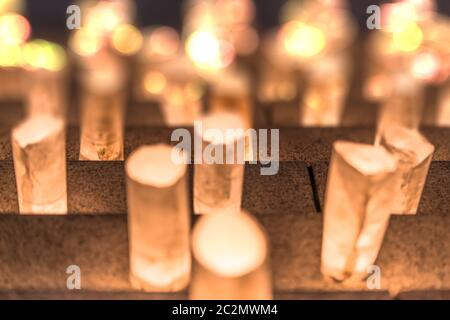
(127, 39)
(42, 54)
(209, 52)
(10, 55)
(425, 66)
(163, 41)
(154, 82)
(300, 39)
(86, 42)
(409, 38)
(14, 29)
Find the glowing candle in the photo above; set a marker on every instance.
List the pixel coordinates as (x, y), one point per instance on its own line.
(102, 112)
(158, 219)
(181, 98)
(402, 107)
(325, 93)
(231, 259)
(358, 204)
(219, 175)
(46, 93)
(161, 47)
(14, 31)
(278, 79)
(415, 154)
(230, 92)
(40, 165)
(47, 85)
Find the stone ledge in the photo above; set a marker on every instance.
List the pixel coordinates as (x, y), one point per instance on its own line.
(96, 187)
(36, 250)
(296, 144)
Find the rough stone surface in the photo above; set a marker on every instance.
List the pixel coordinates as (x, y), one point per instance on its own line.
(289, 191)
(11, 113)
(304, 144)
(99, 187)
(8, 194)
(36, 251)
(96, 187)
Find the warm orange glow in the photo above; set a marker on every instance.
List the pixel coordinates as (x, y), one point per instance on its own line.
(209, 52)
(377, 87)
(155, 82)
(104, 16)
(86, 42)
(193, 91)
(241, 249)
(163, 41)
(200, 16)
(158, 219)
(45, 55)
(40, 165)
(155, 166)
(425, 66)
(236, 11)
(231, 251)
(360, 184)
(14, 29)
(303, 40)
(11, 6)
(286, 91)
(396, 15)
(127, 39)
(246, 40)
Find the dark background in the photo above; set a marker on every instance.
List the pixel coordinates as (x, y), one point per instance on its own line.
(51, 14)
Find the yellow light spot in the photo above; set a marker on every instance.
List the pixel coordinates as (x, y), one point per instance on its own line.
(154, 82)
(14, 29)
(104, 17)
(10, 56)
(395, 16)
(86, 42)
(127, 40)
(208, 52)
(45, 55)
(409, 38)
(302, 40)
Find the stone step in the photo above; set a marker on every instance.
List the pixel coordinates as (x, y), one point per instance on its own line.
(299, 186)
(36, 250)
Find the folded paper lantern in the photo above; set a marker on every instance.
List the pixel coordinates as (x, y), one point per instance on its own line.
(357, 208)
(402, 107)
(231, 259)
(158, 219)
(414, 153)
(40, 165)
(102, 111)
(326, 91)
(219, 174)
